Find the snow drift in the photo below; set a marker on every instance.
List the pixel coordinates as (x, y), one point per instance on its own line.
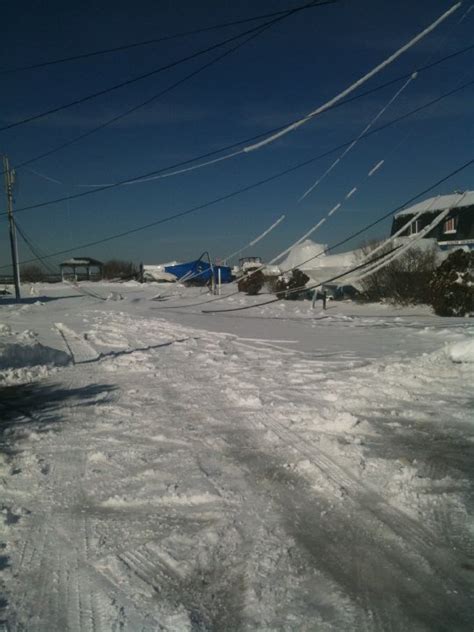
(319, 266)
(23, 358)
(462, 351)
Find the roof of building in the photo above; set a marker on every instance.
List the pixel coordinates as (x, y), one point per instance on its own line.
(431, 205)
(81, 261)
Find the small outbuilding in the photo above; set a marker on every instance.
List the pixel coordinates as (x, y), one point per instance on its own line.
(82, 269)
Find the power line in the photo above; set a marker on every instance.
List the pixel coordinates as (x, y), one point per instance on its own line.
(151, 73)
(270, 178)
(293, 290)
(35, 250)
(158, 40)
(336, 245)
(382, 260)
(233, 145)
(153, 98)
(356, 84)
(215, 201)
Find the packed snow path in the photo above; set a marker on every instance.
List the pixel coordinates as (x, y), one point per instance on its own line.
(173, 478)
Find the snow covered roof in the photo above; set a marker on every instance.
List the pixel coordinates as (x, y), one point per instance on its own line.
(441, 203)
(81, 261)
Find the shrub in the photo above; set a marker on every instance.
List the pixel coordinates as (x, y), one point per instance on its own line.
(405, 281)
(251, 283)
(452, 286)
(271, 281)
(297, 281)
(116, 269)
(32, 274)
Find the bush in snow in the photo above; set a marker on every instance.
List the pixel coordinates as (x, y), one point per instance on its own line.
(286, 287)
(405, 281)
(251, 283)
(32, 274)
(271, 281)
(116, 269)
(452, 286)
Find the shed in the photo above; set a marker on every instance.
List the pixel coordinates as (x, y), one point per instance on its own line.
(89, 269)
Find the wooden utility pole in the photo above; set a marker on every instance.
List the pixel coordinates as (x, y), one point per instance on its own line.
(9, 178)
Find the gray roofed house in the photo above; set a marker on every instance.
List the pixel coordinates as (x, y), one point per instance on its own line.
(455, 230)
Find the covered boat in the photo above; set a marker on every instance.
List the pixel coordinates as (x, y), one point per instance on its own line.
(200, 271)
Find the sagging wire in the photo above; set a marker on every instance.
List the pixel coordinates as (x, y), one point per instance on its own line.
(389, 60)
(358, 232)
(291, 291)
(356, 140)
(186, 278)
(381, 261)
(332, 102)
(412, 240)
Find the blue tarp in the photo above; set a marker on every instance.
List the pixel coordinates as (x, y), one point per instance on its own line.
(199, 271)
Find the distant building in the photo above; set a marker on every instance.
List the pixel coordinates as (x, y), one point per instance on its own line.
(457, 228)
(81, 269)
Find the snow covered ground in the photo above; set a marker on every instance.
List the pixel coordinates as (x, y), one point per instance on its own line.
(274, 469)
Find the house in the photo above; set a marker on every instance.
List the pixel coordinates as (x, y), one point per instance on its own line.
(454, 231)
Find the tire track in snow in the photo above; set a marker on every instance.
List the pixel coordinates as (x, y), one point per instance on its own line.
(375, 507)
(409, 532)
(195, 401)
(395, 586)
(68, 592)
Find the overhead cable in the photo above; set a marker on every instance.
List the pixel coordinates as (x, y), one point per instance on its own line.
(389, 60)
(145, 75)
(148, 101)
(290, 291)
(367, 267)
(278, 175)
(328, 105)
(147, 42)
(351, 236)
(390, 102)
(413, 239)
(163, 170)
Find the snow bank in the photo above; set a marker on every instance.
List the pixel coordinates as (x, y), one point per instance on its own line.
(309, 256)
(462, 351)
(302, 253)
(23, 358)
(158, 272)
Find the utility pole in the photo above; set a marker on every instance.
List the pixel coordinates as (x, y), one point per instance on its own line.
(9, 180)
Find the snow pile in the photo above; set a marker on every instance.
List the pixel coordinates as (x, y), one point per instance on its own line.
(158, 272)
(303, 253)
(462, 351)
(114, 296)
(310, 256)
(23, 358)
(320, 267)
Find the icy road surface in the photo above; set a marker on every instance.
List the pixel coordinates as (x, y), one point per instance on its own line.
(280, 469)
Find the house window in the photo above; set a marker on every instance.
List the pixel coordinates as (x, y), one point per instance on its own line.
(414, 227)
(450, 225)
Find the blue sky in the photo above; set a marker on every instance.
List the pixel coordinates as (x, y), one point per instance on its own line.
(286, 72)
